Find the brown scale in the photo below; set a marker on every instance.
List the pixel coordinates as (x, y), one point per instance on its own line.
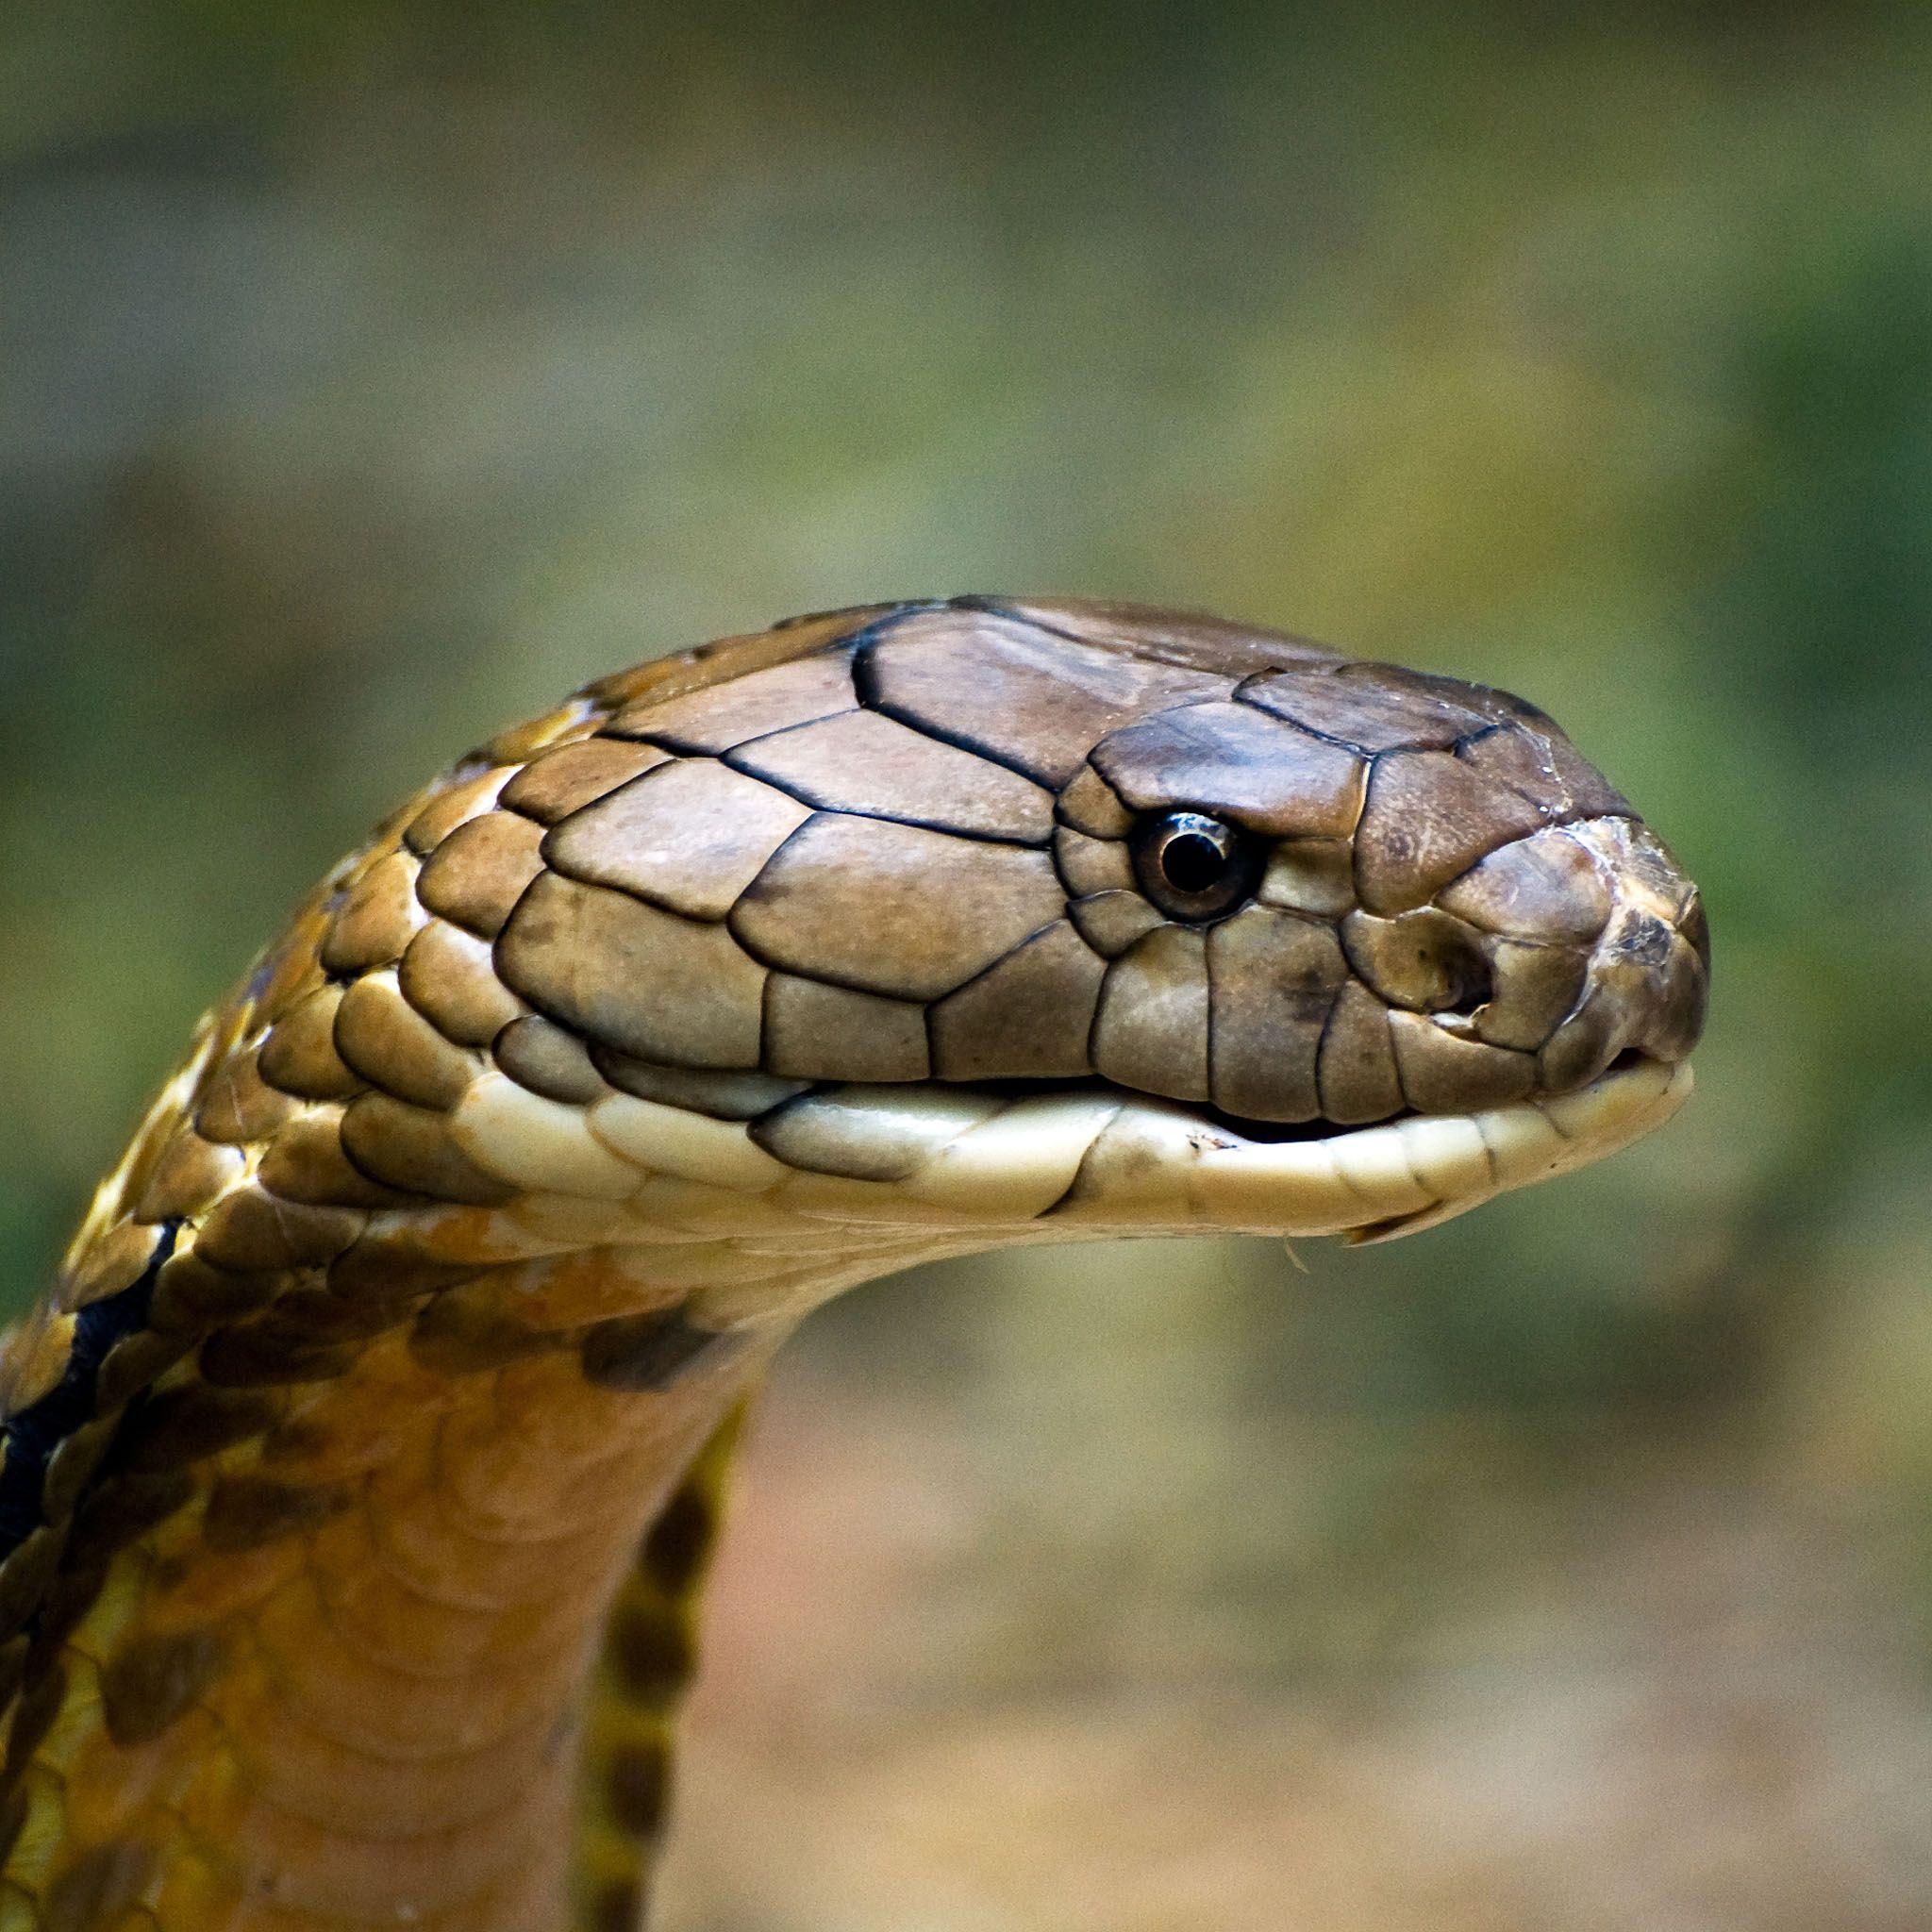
(736, 825)
(318, 1489)
(954, 905)
(859, 762)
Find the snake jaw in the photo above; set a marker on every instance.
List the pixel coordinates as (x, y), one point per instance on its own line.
(1616, 1109)
(964, 1169)
(1162, 1167)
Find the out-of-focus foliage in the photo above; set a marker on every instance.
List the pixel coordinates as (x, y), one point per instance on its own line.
(370, 375)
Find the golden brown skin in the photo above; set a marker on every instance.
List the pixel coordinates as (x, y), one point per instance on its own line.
(373, 1383)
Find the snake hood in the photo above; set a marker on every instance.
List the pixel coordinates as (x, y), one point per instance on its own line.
(1097, 916)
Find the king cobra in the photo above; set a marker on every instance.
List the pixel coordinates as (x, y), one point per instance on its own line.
(361, 1467)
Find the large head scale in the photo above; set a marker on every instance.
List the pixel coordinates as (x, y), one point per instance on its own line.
(1184, 923)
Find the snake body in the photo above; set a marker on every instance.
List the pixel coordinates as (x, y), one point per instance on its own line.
(359, 1472)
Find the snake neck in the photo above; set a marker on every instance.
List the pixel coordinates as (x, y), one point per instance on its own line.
(318, 1638)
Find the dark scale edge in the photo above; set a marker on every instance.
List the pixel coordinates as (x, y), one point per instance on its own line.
(798, 795)
(865, 682)
(33, 1434)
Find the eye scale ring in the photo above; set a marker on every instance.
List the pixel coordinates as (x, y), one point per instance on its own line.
(1195, 867)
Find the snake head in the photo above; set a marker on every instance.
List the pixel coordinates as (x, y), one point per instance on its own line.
(1088, 918)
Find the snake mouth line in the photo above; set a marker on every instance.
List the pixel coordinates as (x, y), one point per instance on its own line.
(1263, 1132)
(1275, 1133)
(1165, 1163)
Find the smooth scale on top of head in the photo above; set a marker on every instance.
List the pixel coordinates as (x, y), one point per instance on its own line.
(1175, 922)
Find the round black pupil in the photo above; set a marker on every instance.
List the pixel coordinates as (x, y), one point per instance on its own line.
(1193, 862)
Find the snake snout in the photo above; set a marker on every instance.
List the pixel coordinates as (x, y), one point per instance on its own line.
(1648, 972)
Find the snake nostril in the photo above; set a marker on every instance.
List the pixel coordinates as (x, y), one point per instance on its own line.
(1468, 982)
(1423, 961)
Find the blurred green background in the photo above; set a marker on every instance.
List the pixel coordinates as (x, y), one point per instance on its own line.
(371, 374)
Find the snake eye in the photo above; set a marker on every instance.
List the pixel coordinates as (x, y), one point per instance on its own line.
(1194, 867)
